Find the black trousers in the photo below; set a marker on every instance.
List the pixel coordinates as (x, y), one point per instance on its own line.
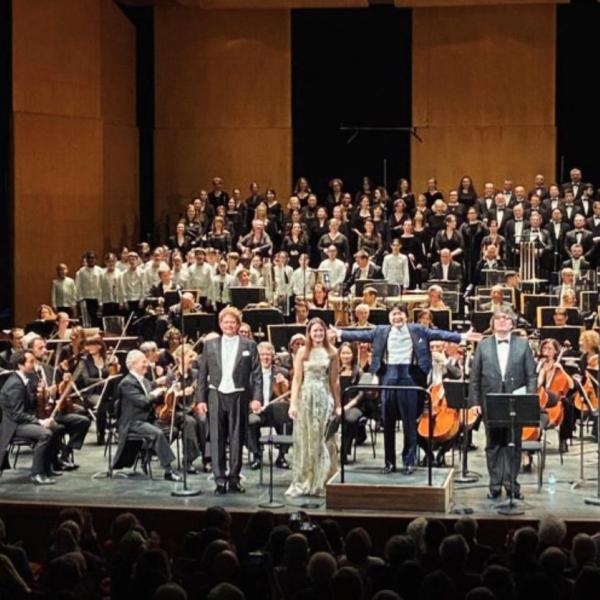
(75, 426)
(227, 418)
(91, 305)
(158, 440)
(195, 434)
(399, 405)
(46, 445)
(500, 458)
(273, 415)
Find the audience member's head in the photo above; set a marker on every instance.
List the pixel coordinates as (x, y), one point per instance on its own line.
(583, 549)
(258, 529)
(553, 561)
(357, 544)
(435, 532)
(416, 530)
(295, 551)
(467, 527)
(525, 543)
(437, 586)
(333, 533)
(499, 579)
(400, 548)
(321, 568)
(170, 591)
(552, 531)
(454, 552)
(225, 567)
(587, 584)
(480, 593)
(225, 591)
(347, 584)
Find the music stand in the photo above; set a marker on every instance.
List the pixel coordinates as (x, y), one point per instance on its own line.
(260, 318)
(385, 289)
(545, 314)
(197, 324)
(448, 285)
(379, 316)
(171, 298)
(442, 319)
(493, 276)
(325, 314)
(457, 397)
(361, 284)
(280, 335)
(567, 333)
(512, 410)
(242, 296)
(481, 321)
(42, 327)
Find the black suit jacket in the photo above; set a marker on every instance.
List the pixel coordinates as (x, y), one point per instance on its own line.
(482, 264)
(454, 271)
(584, 265)
(493, 214)
(560, 241)
(482, 207)
(509, 233)
(586, 241)
(374, 272)
(135, 402)
(569, 186)
(574, 209)
(18, 408)
(246, 371)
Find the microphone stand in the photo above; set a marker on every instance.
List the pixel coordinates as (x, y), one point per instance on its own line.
(184, 492)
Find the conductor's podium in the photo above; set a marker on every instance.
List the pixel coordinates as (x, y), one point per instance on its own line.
(369, 489)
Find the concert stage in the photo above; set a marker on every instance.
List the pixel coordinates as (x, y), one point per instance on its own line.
(152, 500)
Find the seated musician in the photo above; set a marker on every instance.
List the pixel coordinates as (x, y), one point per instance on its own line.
(512, 280)
(446, 269)
(370, 298)
(361, 269)
(568, 299)
(303, 278)
(152, 353)
(361, 315)
(490, 260)
(425, 318)
(567, 282)
(443, 367)
(187, 305)
(94, 371)
(245, 331)
(274, 410)
(164, 285)
(244, 278)
(363, 404)
(436, 298)
(15, 337)
(257, 241)
(19, 419)
(577, 262)
(187, 415)
(301, 311)
(496, 300)
(137, 397)
(69, 421)
(63, 327)
(319, 297)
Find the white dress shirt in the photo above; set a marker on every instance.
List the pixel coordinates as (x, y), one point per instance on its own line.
(87, 282)
(133, 282)
(151, 275)
(111, 285)
(180, 277)
(337, 271)
(266, 378)
(229, 350)
(502, 350)
(395, 269)
(64, 292)
(399, 346)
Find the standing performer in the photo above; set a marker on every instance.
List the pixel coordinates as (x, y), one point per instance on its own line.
(229, 386)
(401, 356)
(502, 364)
(315, 399)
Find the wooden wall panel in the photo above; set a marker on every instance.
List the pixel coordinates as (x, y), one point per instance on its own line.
(74, 136)
(56, 53)
(58, 200)
(120, 184)
(223, 101)
(483, 95)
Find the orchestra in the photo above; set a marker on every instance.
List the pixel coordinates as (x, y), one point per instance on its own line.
(349, 260)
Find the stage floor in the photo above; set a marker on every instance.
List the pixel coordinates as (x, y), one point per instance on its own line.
(78, 488)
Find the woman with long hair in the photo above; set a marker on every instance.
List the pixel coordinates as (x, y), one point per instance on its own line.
(315, 399)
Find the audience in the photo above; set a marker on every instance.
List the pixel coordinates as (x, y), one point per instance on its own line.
(301, 560)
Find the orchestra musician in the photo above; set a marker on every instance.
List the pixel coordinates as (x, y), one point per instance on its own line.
(361, 315)
(19, 418)
(276, 386)
(436, 298)
(503, 363)
(446, 269)
(362, 269)
(15, 337)
(137, 397)
(496, 300)
(70, 422)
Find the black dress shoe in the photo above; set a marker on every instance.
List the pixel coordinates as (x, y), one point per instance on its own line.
(54, 473)
(41, 480)
(255, 465)
(564, 447)
(100, 441)
(191, 470)
(471, 447)
(220, 490)
(516, 495)
(408, 470)
(172, 476)
(282, 463)
(65, 465)
(236, 488)
(388, 469)
(494, 494)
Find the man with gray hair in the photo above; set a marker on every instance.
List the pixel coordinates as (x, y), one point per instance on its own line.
(137, 397)
(503, 363)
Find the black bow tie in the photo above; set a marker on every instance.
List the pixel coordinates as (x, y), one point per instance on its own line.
(518, 220)
(503, 341)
